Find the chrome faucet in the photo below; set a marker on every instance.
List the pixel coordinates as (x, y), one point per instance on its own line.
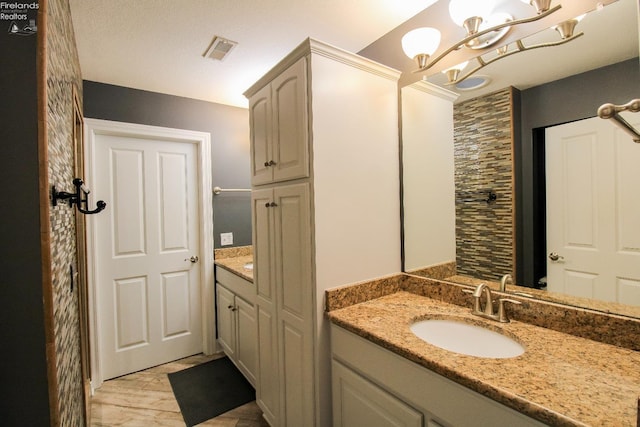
(504, 281)
(487, 312)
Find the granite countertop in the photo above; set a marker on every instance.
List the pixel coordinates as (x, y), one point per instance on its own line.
(236, 265)
(561, 379)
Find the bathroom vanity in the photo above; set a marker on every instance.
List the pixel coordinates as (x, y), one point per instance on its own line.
(381, 368)
(235, 311)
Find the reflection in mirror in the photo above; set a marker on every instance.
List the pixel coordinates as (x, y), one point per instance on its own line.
(500, 177)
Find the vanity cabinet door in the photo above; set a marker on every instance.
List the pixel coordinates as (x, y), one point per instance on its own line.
(237, 333)
(246, 350)
(226, 322)
(358, 402)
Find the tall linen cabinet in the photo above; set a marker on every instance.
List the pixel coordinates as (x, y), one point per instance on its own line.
(325, 212)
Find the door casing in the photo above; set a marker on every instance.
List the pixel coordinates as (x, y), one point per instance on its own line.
(94, 127)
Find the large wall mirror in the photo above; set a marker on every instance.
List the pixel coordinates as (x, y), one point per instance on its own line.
(501, 130)
(513, 234)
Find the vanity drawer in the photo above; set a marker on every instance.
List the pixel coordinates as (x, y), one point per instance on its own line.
(236, 284)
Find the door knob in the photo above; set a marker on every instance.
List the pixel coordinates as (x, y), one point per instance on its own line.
(193, 259)
(555, 257)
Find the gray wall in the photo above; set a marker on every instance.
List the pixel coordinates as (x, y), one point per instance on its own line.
(229, 128)
(24, 397)
(570, 99)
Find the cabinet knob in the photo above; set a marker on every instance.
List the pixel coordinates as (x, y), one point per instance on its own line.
(269, 163)
(270, 205)
(232, 308)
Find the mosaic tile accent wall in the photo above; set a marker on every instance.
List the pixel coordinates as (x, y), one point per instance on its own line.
(483, 160)
(63, 74)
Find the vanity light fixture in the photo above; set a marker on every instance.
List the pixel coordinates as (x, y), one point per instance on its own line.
(484, 28)
(422, 48)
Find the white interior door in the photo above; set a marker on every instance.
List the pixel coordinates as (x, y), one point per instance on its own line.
(593, 211)
(148, 288)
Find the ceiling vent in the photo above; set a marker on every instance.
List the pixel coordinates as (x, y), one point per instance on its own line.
(219, 48)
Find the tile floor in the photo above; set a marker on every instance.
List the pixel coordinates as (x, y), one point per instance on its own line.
(145, 399)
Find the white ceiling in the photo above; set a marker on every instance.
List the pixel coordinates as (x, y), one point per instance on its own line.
(157, 45)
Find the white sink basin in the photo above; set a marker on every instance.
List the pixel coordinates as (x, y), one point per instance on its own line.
(465, 338)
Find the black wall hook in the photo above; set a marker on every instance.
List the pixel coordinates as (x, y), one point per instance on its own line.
(81, 203)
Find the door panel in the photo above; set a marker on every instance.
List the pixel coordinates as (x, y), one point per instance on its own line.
(262, 218)
(176, 304)
(267, 390)
(131, 313)
(127, 184)
(293, 238)
(148, 290)
(260, 118)
(296, 411)
(172, 197)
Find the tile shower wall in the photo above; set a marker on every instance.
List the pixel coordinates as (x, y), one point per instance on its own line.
(63, 74)
(483, 162)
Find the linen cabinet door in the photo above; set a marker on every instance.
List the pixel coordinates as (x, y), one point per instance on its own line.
(295, 304)
(261, 133)
(290, 123)
(267, 379)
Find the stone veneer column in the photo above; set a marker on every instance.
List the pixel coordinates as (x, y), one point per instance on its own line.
(63, 76)
(484, 161)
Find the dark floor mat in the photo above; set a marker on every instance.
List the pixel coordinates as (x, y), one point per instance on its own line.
(210, 389)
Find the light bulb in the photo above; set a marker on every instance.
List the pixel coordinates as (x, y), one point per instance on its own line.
(421, 41)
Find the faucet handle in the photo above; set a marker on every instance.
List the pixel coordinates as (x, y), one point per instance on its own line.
(502, 313)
